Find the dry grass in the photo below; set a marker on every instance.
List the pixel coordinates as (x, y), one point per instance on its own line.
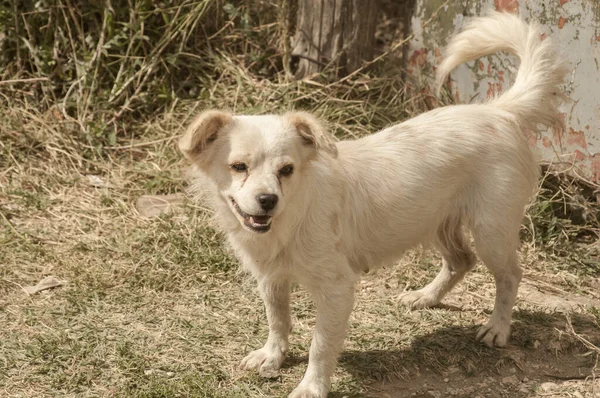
(157, 307)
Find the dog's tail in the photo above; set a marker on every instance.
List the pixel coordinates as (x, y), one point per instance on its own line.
(536, 94)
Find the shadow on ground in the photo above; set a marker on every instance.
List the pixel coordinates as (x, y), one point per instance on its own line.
(448, 361)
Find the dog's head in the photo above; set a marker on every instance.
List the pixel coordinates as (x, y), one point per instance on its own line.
(256, 162)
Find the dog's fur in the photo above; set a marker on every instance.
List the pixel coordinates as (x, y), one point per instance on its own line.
(354, 205)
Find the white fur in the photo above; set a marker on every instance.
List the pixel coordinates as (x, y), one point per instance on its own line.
(355, 205)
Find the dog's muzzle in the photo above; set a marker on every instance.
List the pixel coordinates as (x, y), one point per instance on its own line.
(256, 223)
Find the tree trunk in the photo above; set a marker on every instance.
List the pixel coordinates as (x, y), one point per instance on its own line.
(337, 32)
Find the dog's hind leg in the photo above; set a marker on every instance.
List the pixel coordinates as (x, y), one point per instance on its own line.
(457, 260)
(496, 245)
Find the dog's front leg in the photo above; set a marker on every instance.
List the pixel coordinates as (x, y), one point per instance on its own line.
(334, 304)
(268, 360)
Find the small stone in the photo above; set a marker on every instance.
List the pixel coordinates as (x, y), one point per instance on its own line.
(510, 380)
(446, 380)
(525, 379)
(269, 373)
(548, 386)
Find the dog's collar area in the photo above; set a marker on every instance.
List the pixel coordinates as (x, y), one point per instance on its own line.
(256, 223)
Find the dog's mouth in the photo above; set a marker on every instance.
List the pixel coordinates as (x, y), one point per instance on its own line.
(255, 223)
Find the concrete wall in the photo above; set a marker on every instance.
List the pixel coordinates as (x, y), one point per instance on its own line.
(575, 24)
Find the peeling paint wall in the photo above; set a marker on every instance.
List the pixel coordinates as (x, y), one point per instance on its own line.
(574, 24)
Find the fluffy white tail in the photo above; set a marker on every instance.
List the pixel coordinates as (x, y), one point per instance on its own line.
(536, 94)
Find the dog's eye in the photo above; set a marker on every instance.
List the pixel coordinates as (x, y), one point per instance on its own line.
(286, 170)
(239, 167)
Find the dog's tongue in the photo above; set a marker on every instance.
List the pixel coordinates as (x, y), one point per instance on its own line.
(261, 219)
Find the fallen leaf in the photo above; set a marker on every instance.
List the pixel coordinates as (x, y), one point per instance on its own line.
(154, 205)
(96, 181)
(48, 282)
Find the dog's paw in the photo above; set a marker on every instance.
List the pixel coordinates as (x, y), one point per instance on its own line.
(417, 299)
(306, 391)
(266, 361)
(494, 334)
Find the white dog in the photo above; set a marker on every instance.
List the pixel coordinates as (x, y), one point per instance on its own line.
(297, 206)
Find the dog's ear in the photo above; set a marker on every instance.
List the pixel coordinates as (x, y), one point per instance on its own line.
(202, 131)
(312, 132)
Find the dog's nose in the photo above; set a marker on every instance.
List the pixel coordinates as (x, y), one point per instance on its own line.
(267, 201)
